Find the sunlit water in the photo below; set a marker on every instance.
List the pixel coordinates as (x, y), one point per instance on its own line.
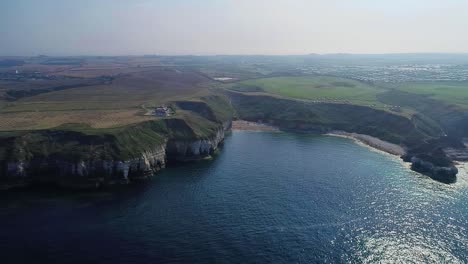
(265, 198)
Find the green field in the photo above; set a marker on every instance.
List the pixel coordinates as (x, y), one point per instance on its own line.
(449, 92)
(316, 88)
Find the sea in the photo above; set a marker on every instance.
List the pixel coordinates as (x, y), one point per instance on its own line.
(265, 197)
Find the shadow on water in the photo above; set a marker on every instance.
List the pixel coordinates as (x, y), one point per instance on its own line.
(43, 194)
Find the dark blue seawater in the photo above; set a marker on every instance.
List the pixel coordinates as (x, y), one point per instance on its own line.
(265, 198)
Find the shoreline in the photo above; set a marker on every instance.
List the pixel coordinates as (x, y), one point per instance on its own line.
(372, 142)
(462, 167)
(366, 140)
(395, 150)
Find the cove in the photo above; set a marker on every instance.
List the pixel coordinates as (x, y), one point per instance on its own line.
(265, 198)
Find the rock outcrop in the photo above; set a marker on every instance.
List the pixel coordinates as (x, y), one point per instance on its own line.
(443, 174)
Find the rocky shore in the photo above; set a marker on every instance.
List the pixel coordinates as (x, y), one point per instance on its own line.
(445, 174)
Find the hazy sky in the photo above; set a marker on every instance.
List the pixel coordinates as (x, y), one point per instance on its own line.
(133, 27)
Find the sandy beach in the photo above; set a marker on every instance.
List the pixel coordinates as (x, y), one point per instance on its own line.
(367, 140)
(370, 141)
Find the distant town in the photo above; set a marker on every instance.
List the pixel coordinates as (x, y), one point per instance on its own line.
(393, 73)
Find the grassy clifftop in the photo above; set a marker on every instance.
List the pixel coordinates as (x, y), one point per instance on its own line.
(104, 111)
(82, 142)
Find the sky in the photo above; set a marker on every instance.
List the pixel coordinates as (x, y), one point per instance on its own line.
(208, 27)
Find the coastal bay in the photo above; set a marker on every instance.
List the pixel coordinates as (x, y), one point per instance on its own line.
(266, 197)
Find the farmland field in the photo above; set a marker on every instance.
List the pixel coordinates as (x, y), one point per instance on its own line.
(320, 88)
(120, 101)
(49, 119)
(115, 91)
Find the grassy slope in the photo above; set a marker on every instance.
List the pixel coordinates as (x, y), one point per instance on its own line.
(415, 118)
(448, 92)
(453, 119)
(297, 115)
(434, 108)
(317, 88)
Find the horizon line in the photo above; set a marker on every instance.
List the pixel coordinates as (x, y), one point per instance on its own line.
(240, 54)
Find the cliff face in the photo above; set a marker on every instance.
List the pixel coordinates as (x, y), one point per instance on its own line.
(83, 157)
(87, 173)
(184, 150)
(94, 172)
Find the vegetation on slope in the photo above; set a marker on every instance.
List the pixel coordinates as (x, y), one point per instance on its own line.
(319, 88)
(452, 119)
(299, 115)
(454, 93)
